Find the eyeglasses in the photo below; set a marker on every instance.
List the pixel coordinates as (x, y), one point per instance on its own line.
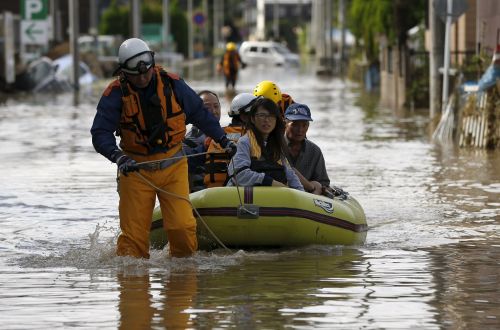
(262, 116)
(138, 64)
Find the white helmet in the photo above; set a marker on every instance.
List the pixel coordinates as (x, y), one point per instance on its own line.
(135, 57)
(241, 102)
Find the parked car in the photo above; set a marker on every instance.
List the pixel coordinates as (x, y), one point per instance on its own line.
(64, 66)
(267, 53)
(45, 75)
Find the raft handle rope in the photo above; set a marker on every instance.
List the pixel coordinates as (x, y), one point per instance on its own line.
(181, 197)
(172, 158)
(242, 206)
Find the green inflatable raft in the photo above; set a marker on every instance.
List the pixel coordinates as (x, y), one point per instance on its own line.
(270, 217)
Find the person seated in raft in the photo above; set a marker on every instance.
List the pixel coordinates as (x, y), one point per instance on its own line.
(304, 155)
(217, 159)
(194, 143)
(260, 157)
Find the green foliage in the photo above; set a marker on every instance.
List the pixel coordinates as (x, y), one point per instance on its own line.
(152, 12)
(417, 91)
(115, 20)
(369, 19)
(473, 66)
(179, 27)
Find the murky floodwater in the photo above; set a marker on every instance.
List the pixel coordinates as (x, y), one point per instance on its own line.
(430, 260)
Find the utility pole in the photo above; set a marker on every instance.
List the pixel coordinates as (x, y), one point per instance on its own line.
(74, 24)
(276, 20)
(55, 14)
(9, 48)
(206, 46)
(136, 18)
(216, 27)
(94, 18)
(446, 73)
(190, 30)
(166, 25)
(314, 27)
(323, 36)
(328, 33)
(342, 35)
(261, 20)
(435, 60)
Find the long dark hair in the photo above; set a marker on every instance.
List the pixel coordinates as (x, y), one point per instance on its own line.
(275, 147)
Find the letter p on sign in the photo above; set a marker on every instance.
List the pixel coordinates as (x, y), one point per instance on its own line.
(34, 9)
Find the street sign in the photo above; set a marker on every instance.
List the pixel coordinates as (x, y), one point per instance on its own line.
(34, 23)
(34, 9)
(458, 7)
(199, 19)
(34, 32)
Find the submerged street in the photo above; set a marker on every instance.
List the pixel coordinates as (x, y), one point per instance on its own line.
(430, 259)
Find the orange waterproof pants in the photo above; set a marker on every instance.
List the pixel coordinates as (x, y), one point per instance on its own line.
(137, 201)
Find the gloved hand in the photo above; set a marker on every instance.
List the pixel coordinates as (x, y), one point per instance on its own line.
(229, 146)
(126, 164)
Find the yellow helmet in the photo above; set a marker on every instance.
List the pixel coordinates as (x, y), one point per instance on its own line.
(230, 46)
(269, 90)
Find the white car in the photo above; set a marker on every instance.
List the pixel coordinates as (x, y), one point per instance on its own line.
(64, 67)
(267, 53)
(45, 75)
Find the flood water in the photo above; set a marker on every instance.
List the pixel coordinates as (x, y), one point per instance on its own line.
(431, 258)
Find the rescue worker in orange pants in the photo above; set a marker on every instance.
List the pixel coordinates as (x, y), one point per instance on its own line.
(149, 109)
(230, 64)
(271, 91)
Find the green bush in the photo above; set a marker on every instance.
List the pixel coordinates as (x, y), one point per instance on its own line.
(115, 21)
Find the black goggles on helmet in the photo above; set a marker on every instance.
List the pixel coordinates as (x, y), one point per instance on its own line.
(139, 64)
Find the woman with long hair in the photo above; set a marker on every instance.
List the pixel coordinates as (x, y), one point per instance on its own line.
(260, 158)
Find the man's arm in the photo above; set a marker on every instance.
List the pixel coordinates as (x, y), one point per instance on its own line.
(106, 122)
(313, 187)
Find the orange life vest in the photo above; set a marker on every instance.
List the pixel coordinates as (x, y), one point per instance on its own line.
(134, 133)
(230, 61)
(286, 101)
(218, 160)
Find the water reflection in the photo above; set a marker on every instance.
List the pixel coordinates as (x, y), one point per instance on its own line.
(467, 285)
(147, 301)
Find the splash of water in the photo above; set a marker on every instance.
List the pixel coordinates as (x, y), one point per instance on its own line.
(98, 253)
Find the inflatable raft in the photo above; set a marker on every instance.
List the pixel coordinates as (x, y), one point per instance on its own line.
(265, 217)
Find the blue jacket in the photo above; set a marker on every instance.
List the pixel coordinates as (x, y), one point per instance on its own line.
(107, 119)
